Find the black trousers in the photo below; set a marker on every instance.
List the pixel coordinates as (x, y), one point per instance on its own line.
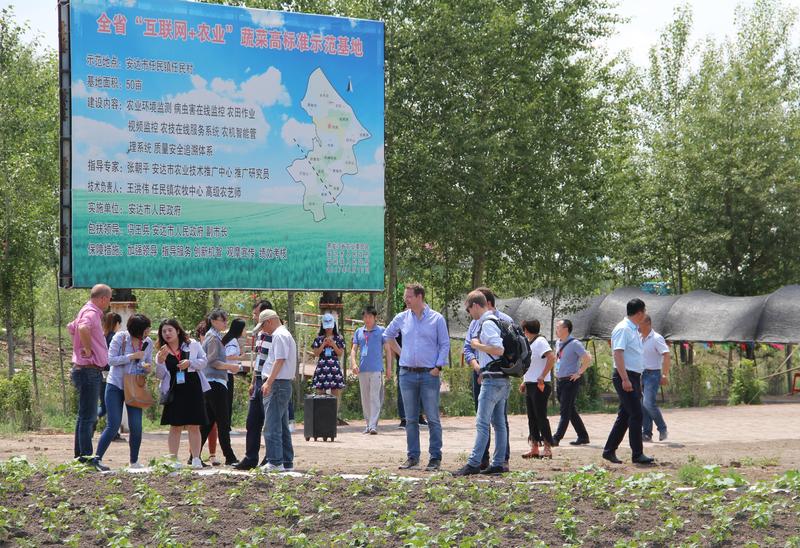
(218, 411)
(476, 391)
(255, 424)
(629, 416)
(536, 404)
(567, 398)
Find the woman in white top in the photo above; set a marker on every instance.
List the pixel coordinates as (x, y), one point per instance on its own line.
(179, 364)
(130, 352)
(536, 387)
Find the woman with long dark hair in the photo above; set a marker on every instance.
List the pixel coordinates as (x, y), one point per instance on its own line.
(130, 352)
(179, 364)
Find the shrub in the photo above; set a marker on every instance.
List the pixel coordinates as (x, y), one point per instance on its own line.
(16, 402)
(746, 386)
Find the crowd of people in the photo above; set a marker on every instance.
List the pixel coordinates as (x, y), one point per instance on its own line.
(197, 378)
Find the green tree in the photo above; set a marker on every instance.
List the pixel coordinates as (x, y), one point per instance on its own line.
(28, 171)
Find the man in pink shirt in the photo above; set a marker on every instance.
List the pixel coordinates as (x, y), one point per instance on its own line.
(89, 357)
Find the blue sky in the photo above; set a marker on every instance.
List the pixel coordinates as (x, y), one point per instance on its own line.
(271, 82)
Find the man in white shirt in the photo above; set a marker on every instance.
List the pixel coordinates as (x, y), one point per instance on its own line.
(655, 355)
(277, 375)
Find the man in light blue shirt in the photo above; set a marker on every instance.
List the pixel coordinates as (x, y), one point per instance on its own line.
(495, 388)
(626, 345)
(368, 347)
(471, 359)
(425, 351)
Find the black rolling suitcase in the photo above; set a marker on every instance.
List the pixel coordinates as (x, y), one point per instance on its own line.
(319, 420)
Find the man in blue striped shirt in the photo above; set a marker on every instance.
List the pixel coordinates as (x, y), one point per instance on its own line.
(425, 351)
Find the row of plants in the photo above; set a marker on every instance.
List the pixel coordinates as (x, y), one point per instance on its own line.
(706, 505)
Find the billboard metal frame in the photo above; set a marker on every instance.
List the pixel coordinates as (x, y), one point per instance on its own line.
(65, 146)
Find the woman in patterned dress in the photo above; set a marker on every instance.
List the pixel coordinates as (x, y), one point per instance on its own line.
(328, 347)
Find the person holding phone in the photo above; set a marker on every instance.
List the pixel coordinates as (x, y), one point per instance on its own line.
(328, 347)
(536, 387)
(179, 364)
(130, 353)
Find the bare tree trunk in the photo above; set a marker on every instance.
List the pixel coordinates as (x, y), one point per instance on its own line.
(478, 268)
(215, 298)
(789, 351)
(34, 376)
(61, 348)
(290, 325)
(9, 333)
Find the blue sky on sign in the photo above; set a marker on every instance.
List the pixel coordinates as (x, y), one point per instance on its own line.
(272, 83)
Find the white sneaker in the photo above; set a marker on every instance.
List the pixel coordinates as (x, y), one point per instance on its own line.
(291, 427)
(197, 464)
(269, 467)
(135, 466)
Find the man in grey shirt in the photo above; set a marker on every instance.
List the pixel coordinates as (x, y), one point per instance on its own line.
(573, 361)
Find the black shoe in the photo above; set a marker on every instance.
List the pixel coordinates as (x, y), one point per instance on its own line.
(610, 456)
(97, 465)
(662, 436)
(579, 441)
(402, 425)
(422, 421)
(231, 462)
(506, 468)
(555, 442)
(288, 467)
(493, 470)
(244, 464)
(643, 459)
(647, 437)
(484, 465)
(119, 437)
(264, 462)
(409, 464)
(342, 422)
(467, 470)
(433, 465)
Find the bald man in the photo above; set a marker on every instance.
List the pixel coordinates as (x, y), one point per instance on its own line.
(89, 357)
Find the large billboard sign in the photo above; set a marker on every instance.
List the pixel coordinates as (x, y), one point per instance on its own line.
(208, 146)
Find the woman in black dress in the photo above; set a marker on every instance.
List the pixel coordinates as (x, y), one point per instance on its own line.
(179, 364)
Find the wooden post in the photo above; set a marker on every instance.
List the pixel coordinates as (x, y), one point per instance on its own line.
(291, 326)
(60, 348)
(34, 376)
(789, 352)
(730, 368)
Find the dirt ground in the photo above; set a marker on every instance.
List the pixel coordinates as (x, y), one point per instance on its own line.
(760, 440)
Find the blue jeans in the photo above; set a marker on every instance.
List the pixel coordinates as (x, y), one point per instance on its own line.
(476, 392)
(423, 387)
(87, 382)
(491, 409)
(115, 399)
(276, 424)
(651, 381)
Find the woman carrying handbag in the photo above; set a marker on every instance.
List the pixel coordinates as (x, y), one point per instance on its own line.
(130, 357)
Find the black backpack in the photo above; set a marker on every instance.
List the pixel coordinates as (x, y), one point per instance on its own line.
(516, 358)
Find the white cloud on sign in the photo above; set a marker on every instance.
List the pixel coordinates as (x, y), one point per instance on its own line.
(266, 18)
(297, 133)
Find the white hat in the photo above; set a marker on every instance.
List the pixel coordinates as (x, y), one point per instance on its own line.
(265, 316)
(328, 321)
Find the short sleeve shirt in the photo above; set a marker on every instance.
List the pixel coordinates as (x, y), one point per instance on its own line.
(626, 337)
(283, 348)
(232, 350)
(568, 354)
(490, 336)
(653, 349)
(370, 345)
(539, 349)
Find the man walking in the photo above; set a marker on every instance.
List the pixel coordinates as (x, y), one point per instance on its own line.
(425, 351)
(255, 409)
(277, 375)
(655, 354)
(89, 357)
(471, 359)
(626, 346)
(572, 362)
(495, 388)
(368, 347)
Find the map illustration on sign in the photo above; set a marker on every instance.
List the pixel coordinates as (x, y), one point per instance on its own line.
(225, 147)
(332, 154)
